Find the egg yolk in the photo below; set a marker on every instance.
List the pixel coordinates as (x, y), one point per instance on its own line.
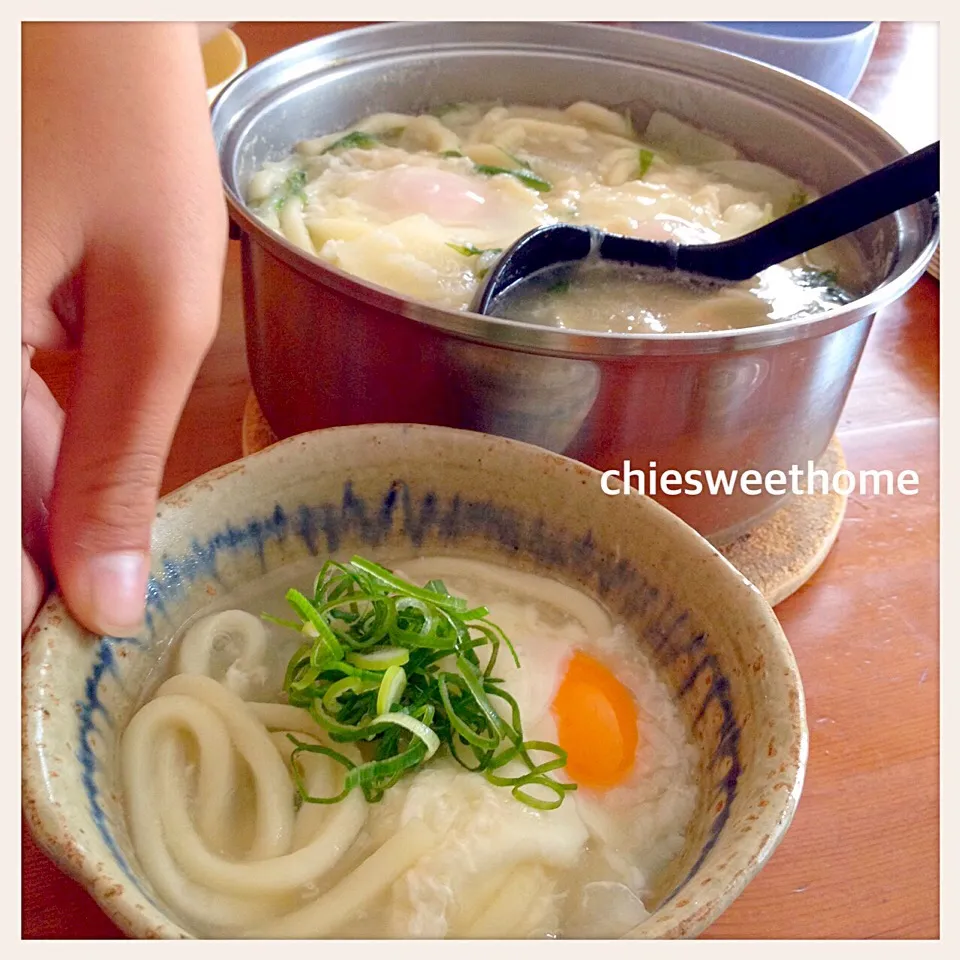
(596, 724)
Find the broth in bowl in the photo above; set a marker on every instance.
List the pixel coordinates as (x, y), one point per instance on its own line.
(423, 204)
(455, 750)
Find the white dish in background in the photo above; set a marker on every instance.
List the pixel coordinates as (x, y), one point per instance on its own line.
(833, 54)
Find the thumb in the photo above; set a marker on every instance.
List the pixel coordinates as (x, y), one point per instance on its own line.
(145, 333)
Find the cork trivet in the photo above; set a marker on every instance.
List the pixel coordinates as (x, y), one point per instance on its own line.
(256, 435)
(779, 556)
(786, 550)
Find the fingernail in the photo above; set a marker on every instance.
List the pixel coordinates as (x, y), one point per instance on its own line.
(117, 591)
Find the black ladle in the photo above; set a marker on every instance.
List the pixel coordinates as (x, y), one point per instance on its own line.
(907, 181)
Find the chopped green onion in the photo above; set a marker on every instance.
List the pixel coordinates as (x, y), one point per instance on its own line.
(646, 159)
(344, 669)
(304, 681)
(808, 277)
(466, 733)
(301, 747)
(391, 688)
(469, 250)
(385, 576)
(331, 699)
(327, 647)
(336, 728)
(527, 178)
(515, 729)
(798, 199)
(472, 680)
(430, 740)
(381, 659)
(355, 140)
(515, 752)
(465, 249)
(293, 186)
(280, 622)
(401, 671)
(826, 281)
(524, 796)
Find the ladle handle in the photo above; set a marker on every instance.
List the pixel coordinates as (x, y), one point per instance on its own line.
(906, 181)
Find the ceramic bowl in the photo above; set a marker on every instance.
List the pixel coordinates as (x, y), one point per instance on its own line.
(832, 53)
(412, 489)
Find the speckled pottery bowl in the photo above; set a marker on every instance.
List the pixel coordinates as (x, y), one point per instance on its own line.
(402, 488)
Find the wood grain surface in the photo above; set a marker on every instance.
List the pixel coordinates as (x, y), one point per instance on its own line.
(861, 859)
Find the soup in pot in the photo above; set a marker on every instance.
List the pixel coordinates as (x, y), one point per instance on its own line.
(607, 297)
(424, 204)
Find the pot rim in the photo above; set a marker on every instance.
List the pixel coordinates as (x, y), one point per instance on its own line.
(531, 337)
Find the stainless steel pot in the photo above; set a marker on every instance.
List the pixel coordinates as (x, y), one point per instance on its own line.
(326, 349)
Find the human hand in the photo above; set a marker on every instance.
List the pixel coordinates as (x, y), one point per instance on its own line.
(123, 244)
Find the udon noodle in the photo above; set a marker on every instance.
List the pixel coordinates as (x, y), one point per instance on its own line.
(220, 833)
(423, 205)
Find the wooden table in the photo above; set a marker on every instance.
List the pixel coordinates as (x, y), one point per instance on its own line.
(861, 859)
